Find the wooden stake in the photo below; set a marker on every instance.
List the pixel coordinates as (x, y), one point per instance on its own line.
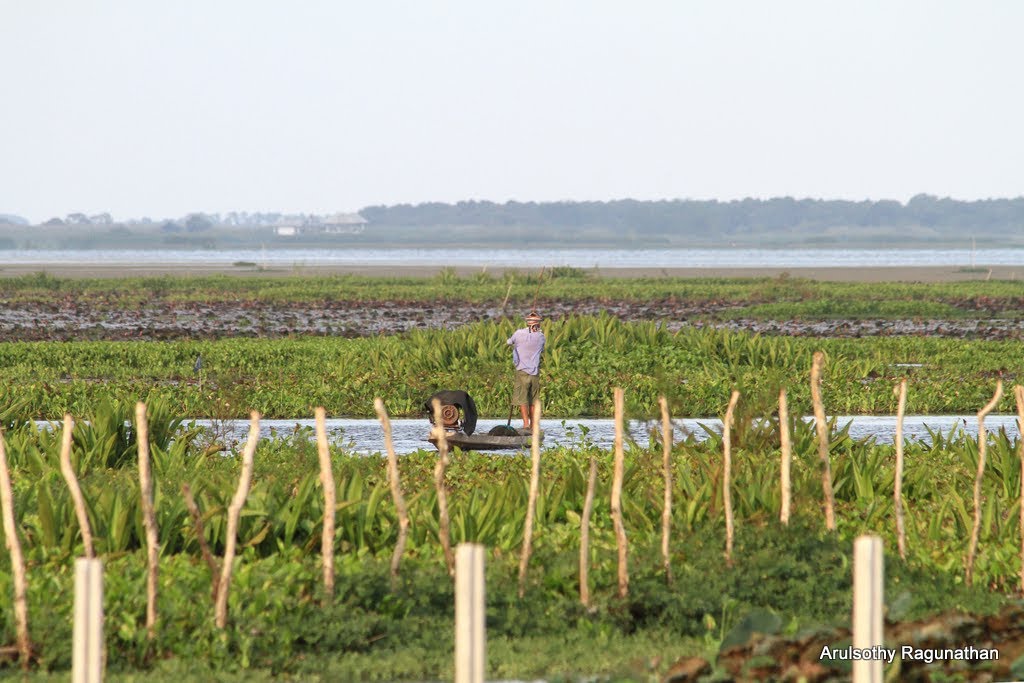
(1018, 394)
(197, 523)
(17, 559)
(148, 517)
(666, 465)
(982, 447)
(76, 492)
(87, 652)
(901, 406)
(727, 474)
(823, 440)
(330, 505)
(234, 511)
(470, 615)
(787, 456)
(444, 526)
(868, 588)
(588, 507)
(524, 557)
(618, 472)
(396, 491)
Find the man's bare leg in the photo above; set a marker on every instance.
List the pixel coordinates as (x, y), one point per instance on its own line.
(525, 411)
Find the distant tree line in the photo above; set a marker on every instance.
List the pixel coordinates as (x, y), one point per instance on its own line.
(924, 221)
(727, 218)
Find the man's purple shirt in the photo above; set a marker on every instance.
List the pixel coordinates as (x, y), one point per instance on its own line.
(526, 349)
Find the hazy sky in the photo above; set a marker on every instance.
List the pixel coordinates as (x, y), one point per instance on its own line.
(159, 108)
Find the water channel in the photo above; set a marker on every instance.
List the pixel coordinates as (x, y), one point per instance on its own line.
(408, 435)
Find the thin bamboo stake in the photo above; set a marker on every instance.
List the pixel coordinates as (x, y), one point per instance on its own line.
(727, 474)
(17, 559)
(327, 482)
(787, 457)
(823, 440)
(531, 505)
(148, 517)
(588, 508)
(197, 522)
(444, 526)
(1018, 394)
(617, 474)
(396, 491)
(666, 465)
(234, 511)
(901, 407)
(982, 446)
(76, 492)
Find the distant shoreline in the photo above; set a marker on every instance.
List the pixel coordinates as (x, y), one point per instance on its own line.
(825, 273)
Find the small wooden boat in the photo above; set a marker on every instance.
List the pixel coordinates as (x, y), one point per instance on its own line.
(488, 442)
(458, 416)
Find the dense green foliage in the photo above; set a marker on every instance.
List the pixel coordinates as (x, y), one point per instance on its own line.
(800, 573)
(585, 358)
(780, 297)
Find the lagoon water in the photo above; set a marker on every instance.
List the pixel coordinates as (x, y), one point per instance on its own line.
(366, 437)
(529, 258)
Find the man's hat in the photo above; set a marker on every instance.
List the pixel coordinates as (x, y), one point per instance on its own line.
(533, 318)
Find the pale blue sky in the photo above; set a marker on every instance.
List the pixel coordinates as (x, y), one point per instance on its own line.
(160, 108)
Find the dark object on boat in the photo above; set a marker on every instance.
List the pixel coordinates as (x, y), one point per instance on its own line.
(458, 411)
(458, 415)
(503, 430)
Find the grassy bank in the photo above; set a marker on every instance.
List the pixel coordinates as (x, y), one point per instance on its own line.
(585, 358)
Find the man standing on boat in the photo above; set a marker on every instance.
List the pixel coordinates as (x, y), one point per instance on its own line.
(527, 345)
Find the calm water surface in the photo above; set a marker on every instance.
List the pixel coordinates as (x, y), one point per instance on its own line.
(365, 436)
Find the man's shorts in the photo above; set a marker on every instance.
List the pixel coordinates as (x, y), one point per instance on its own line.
(526, 389)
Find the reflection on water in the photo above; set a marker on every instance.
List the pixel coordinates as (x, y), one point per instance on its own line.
(365, 436)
